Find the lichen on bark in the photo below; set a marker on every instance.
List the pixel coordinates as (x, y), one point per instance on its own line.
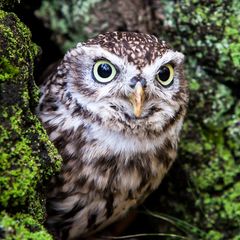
(209, 148)
(209, 152)
(208, 31)
(27, 156)
(68, 20)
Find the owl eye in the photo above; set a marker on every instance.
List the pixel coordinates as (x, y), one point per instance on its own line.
(104, 71)
(165, 75)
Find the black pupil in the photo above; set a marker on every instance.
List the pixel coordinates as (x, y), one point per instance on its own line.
(104, 70)
(164, 73)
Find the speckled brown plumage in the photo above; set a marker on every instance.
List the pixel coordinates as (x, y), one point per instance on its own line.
(117, 138)
(139, 48)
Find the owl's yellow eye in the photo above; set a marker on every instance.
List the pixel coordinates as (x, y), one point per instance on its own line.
(104, 71)
(165, 75)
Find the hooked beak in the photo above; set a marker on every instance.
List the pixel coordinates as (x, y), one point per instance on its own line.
(137, 99)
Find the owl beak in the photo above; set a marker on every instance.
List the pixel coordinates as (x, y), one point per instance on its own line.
(137, 99)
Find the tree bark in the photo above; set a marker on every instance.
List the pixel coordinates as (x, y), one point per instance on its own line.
(27, 157)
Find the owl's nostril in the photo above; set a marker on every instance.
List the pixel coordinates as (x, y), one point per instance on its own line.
(134, 81)
(143, 82)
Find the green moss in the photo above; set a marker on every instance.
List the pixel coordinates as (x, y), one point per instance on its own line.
(19, 179)
(210, 150)
(28, 158)
(7, 70)
(17, 182)
(52, 151)
(214, 235)
(209, 154)
(209, 32)
(13, 48)
(21, 226)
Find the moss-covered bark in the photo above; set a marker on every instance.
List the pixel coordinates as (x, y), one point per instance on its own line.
(27, 157)
(208, 34)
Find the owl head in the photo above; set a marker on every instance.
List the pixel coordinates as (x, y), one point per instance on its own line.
(129, 82)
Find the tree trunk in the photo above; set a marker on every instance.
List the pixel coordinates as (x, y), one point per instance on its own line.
(27, 157)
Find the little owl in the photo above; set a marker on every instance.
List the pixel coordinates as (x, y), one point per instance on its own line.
(114, 108)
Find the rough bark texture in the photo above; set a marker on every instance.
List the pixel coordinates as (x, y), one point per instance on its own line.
(207, 32)
(27, 157)
(203, 187)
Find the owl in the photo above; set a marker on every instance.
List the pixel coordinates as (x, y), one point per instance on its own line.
(114, 108)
